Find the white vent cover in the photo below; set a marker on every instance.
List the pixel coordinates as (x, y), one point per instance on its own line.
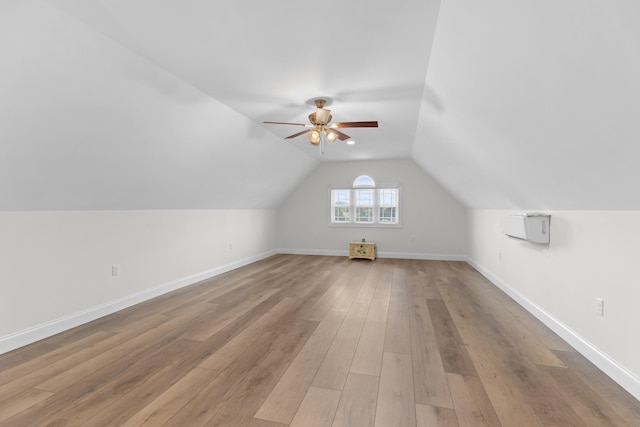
(533, 227)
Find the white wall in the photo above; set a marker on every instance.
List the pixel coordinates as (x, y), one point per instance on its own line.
(56, 266)
(433, 222)
(592, 254)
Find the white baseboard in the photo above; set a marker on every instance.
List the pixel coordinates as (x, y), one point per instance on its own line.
(428, 257)
(45, 330)
(608, 365)
(322, 252)
(397, 255)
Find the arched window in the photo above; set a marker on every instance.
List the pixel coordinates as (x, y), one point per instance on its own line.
(365, 204)
(364, 181)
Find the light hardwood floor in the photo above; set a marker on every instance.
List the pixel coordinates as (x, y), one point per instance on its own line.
(315, 341)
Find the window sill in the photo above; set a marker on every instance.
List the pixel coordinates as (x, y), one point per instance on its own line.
(359, 225)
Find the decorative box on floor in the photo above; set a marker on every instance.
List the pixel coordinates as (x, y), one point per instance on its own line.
(366, 250)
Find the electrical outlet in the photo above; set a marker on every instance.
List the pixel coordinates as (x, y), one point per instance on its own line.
(600, 306)
(115, 270)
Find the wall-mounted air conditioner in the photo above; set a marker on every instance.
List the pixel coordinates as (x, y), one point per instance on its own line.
(533, 227)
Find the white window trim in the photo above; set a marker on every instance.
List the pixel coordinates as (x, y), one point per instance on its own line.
(354, 224)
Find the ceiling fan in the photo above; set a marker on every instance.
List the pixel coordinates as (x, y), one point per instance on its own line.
(320, 127)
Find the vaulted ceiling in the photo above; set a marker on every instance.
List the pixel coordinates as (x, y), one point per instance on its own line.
(146, 104)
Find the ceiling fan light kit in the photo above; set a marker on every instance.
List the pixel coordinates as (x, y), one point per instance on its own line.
(314, 137)
(320, 129)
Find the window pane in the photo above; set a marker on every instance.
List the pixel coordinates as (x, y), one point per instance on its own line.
(364, 181)
(364, 197)
(340, 197)
(388, 215)
(364, 214)
(340, 201)
(388, 197)
(341, 214)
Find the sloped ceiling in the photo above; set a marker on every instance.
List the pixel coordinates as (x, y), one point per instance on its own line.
(143, 104)
(534, 105)
(86, 123)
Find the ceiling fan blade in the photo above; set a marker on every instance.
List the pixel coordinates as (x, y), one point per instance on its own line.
(369, 124)
(298, 134)
(341, 136)
(285, 123)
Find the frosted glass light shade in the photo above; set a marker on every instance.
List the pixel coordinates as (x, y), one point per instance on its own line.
(322, 116)
(314, 137)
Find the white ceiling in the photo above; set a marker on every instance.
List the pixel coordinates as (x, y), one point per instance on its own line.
(147, 104)
(266, 59)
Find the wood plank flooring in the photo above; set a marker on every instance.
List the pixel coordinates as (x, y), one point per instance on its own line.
(308, 341)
